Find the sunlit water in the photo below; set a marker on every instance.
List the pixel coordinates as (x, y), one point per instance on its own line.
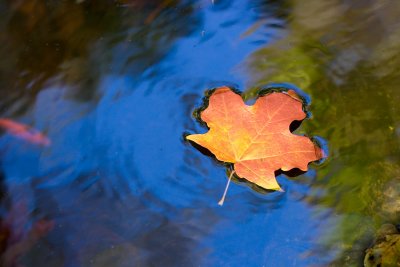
(113, 86)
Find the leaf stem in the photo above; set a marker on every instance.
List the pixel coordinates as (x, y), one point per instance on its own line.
(221, 202)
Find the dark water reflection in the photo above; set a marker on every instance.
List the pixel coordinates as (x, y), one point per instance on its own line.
(113, 85)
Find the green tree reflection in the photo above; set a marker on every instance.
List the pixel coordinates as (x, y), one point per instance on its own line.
(345, 55)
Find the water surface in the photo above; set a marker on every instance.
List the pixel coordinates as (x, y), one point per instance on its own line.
(114, 85)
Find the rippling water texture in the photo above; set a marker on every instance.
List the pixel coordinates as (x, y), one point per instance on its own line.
(113, 85)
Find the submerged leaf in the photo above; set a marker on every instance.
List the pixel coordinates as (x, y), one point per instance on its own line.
(24, 132)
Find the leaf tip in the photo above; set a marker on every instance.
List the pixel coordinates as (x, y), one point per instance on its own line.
(191, 137)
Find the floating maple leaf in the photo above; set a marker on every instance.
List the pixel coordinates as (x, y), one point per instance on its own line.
(256, 139)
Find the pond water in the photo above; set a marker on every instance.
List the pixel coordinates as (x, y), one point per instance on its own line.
(113, 86)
